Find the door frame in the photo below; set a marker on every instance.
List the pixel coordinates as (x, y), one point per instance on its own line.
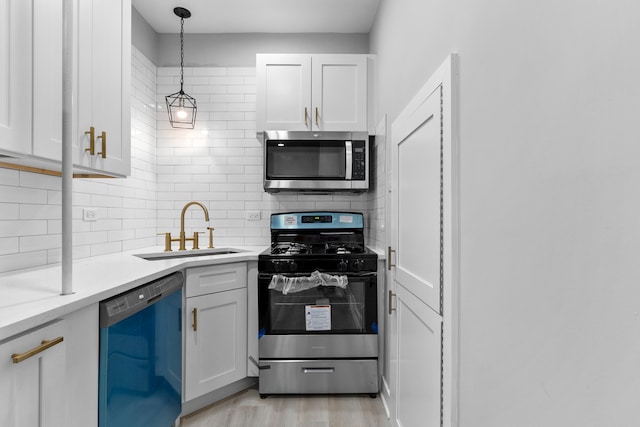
(447, 77)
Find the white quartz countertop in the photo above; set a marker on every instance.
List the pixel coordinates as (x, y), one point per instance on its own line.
(29, 298)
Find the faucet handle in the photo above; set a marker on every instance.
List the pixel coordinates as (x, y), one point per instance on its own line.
(196, 240)
(167, 241)
(210, 237)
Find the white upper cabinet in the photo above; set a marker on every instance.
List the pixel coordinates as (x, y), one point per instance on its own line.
(15, 75)
(31, 36)
(47, 79)
(104, 79)
(311, 92)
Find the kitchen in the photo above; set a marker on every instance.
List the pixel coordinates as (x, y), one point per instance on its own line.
(540, 342)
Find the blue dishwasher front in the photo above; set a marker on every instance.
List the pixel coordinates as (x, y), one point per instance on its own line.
(141, 355)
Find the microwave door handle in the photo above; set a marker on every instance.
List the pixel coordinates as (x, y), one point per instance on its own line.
(348, 170)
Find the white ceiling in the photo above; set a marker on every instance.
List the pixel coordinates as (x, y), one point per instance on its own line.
(261, 16)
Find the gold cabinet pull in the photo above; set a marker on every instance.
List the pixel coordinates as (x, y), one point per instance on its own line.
(389, 263)
(103, 137)
(305, 116)
(391, 309)
(317, 117)
(92, 141)
(17, 358)
(195, 319)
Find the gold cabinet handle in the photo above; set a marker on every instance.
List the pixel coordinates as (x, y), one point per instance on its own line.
(391, 309)
(389, 263)
(103, 137)
(305, 116)
(195, 319)
(17, 358)
(92, 141)
(317, 117)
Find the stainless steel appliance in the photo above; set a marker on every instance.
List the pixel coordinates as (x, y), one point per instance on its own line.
(316, 161)
(140, 376)
(317, 300)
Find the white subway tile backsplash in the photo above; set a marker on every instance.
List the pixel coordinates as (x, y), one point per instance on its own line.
(17, 194)
(38, 243)
(8, 245)
(9, 211)
(9, 177)
(21, 260)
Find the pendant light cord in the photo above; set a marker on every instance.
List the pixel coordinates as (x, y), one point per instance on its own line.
(181, 54)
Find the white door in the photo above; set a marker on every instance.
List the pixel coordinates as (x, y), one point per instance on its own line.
(284, 92)
(339, 92)
(216, 343)
(424, 237)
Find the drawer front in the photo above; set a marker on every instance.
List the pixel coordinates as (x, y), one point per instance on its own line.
(216, 278)
(318, 376)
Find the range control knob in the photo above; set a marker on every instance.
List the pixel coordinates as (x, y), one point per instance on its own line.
(277, 266)
(342, 265)
(293, 266)
(358, 264)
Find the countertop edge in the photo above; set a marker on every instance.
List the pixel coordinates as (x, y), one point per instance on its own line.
(38, 299)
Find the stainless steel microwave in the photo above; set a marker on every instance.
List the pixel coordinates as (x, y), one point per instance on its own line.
(316, 161)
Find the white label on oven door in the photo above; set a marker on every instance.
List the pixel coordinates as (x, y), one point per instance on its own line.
(346, 218)
(318, 317)
(290, 220)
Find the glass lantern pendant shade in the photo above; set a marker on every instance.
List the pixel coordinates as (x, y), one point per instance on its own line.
(181, 107)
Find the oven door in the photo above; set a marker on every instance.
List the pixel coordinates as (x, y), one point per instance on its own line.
(320, 310)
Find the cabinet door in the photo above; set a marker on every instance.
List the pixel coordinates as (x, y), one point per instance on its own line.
(283, 92)
(104, 68)
(339, 92)
(416, 355)
(215, 341)
(47, 79)
(33, 390)
(15, 75)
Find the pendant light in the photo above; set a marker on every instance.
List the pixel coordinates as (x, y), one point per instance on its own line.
(180, 106)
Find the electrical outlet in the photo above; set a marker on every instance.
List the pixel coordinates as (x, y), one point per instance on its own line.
(89, 214)
(252, 215)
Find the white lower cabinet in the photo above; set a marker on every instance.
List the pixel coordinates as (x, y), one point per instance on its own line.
(49, 375)
(32, 380)
(215, 328)
(417, 347)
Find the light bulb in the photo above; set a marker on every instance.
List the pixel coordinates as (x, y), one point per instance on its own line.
(181, 114)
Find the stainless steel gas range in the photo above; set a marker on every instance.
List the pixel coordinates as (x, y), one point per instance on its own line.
(317, 299)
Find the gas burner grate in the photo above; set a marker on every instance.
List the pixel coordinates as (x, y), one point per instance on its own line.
(290, 249)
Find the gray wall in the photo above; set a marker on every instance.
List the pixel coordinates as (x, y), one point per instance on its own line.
(235, 50)
(239, 50)
(143, 36)
(550, 235)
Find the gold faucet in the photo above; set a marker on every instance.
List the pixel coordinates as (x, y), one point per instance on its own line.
(183, 238)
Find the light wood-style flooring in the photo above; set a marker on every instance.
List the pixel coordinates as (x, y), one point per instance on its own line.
(246, 409)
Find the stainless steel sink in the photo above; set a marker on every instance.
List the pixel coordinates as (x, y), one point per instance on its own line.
(158, 256)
